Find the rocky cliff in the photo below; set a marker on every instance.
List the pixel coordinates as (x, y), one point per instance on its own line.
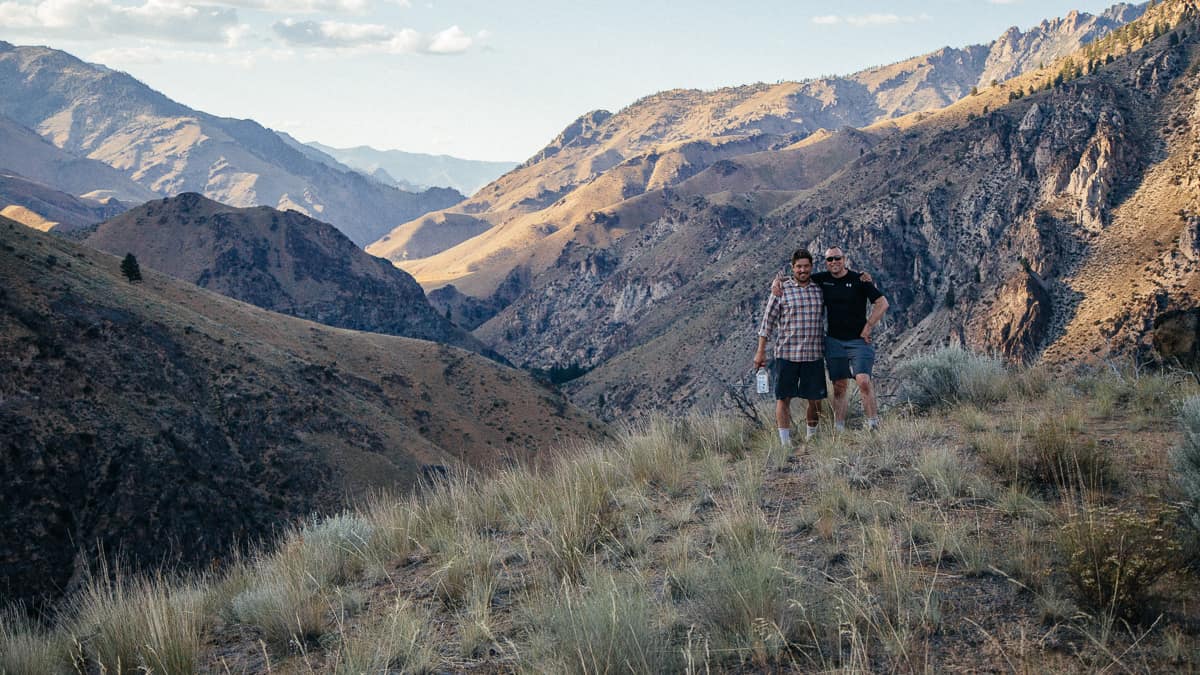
(165, 424)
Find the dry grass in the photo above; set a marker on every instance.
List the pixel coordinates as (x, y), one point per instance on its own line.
(700, 545)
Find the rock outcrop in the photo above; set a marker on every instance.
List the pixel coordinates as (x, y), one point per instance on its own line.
(283, 261)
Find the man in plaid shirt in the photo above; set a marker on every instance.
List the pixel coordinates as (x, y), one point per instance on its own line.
(797, 318)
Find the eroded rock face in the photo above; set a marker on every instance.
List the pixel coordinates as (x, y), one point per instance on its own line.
(1177, 336)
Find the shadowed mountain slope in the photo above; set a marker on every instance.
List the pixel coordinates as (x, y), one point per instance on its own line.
(105, 115)
(158, 419)
(282, 261)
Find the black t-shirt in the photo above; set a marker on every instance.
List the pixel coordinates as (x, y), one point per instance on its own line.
(846, 302)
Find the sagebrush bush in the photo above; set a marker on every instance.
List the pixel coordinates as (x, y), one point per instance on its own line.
(333, 549)
(1187, 461)
(952, 375)
(289, 605)
(1115, 555)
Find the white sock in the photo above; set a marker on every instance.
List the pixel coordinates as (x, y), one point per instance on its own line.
(812, 431)
(785, 437)
(839, 426)
(872, 422)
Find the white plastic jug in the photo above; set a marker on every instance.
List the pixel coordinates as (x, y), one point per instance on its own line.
(764, 383)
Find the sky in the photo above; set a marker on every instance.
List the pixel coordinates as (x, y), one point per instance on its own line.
(484, 79)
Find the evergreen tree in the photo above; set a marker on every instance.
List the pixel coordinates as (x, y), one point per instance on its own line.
(129, 267)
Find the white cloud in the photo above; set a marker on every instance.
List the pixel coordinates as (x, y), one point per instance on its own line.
(370, 37)
(859, 20)
(140, 56)
(168, 20)
(330, 33)
(302, 6)
(450, 41)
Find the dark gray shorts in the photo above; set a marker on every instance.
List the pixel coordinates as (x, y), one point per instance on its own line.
(847, 358)
(803, 379)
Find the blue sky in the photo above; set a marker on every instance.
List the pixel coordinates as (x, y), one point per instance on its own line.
(485, 80)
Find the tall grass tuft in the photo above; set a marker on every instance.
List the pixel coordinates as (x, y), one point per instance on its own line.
(397, 642)
(656, 454)
(29, 649)
(575, 512)
(611, 625)
(139, 624)
(1058, 457)
(743, 603)
(952, 375)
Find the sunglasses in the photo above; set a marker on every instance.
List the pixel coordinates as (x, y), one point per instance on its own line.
(832, 258)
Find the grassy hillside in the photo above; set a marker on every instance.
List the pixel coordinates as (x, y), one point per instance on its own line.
(999, 521)
(160, 421)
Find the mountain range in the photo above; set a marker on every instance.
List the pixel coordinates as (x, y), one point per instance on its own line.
(161, 422)
(637, 247)
(604, 174)
(89, 111)
(413, 170)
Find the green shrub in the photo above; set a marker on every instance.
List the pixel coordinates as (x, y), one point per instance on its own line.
(951, 375)
(1187, 460)
(1114, 556)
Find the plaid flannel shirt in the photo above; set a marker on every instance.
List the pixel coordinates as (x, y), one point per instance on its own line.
(799, 317)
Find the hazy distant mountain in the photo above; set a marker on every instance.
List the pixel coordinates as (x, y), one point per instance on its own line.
(165, 422)
(605, 166)
(411, 168)
(44, 208)
(89, 110)
(281, 261)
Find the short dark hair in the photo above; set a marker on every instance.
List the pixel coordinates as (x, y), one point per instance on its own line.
(801, 253)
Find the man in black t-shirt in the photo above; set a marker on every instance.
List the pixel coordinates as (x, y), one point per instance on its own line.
(848, 349)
